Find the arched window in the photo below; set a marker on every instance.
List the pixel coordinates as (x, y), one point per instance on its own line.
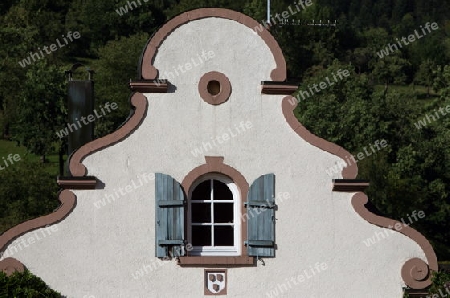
(214, 217)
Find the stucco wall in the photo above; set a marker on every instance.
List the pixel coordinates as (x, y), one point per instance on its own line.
(98, 251)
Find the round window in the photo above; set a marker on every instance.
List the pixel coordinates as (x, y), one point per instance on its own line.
(214, 88)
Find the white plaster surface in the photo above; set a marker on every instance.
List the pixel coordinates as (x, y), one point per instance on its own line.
(98, 251)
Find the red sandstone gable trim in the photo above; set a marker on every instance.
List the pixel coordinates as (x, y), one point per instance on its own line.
(149, 72)
(67, 198)
(349, 172)
(68, 203)
(415, 272)
(139, 101)
(11, 265)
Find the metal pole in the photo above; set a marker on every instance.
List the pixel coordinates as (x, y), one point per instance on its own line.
(268, 11)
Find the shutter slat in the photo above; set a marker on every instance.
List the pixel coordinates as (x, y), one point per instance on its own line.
(260, 210)
(169, 205)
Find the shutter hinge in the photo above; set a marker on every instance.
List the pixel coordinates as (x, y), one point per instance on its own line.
(267, 243)
(264, 204)
(171, 203)
(171, 242)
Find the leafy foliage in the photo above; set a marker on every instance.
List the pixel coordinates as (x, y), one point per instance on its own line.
(41, 108)
(441, 281)
(19, 203)
(114, 70)
(24, 285)
(411, 173)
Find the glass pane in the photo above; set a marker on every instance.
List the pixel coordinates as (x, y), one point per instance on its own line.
(202, 191)
(221, 191)
(201, 236)
(223, 213)
(223, 236)
(201, 212)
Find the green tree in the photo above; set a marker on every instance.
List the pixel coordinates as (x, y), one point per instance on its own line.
(41, 109)
(25, 284)
(35, 15)
(185, 5)
(390, 69)
(360, 58)
(117, 64)
(11, 74)
(101, 21)
(410, 173)
(28, 191)
(404, 27)
(441, 83)
(425, 74)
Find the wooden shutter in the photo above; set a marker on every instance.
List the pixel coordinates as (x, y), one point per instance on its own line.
(261, 217)
(169, 218)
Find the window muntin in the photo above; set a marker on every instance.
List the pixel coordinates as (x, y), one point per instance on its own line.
(213, 217)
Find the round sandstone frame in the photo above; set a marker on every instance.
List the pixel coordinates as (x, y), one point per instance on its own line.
(212, 80)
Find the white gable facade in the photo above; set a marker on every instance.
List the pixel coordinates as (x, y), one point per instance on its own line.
(204, 122)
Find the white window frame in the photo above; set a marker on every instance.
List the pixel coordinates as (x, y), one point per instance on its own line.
(218, 250)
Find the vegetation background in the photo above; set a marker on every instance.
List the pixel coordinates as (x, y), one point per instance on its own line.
(382, 99)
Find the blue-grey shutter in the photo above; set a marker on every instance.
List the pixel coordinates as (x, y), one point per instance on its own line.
(261, 217)
(169, 218)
